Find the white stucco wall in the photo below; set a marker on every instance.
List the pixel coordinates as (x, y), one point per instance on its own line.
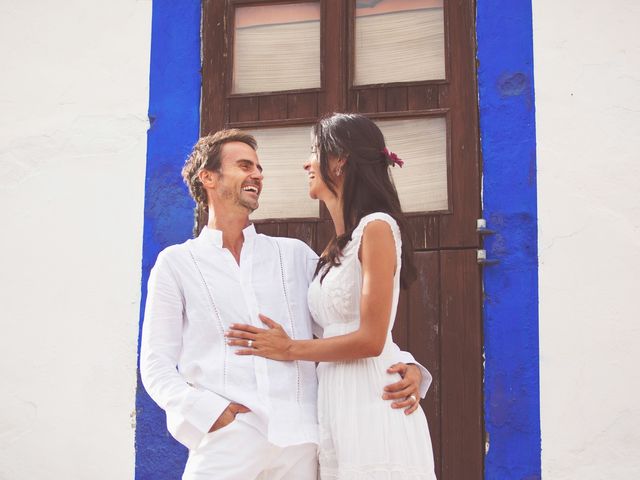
(587, 78)
(73, 103)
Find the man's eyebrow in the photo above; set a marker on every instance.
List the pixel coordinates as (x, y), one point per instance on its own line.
(245, 161)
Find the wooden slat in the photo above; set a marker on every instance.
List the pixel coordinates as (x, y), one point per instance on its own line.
(396, 99)
(443, 96)
(400, 325)
(334, 73)
(324, 233)
(382, 100)
(434, 112)
(422, 97)
(424, 338)
(273, 229)
(273, 123)
(243, 109)
(366, 100)
(461, 365)
(213, 71)
(322, 102)
(458, 230)
(305, 231)
(424, 231)
(273, 107)
(302, 105)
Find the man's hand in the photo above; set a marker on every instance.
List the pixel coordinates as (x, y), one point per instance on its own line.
(406, 392)
(228, 416)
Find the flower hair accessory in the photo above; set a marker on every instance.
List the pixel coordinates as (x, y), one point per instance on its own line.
(392, 158)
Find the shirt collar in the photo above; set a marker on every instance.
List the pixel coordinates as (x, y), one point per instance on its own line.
(214, 237)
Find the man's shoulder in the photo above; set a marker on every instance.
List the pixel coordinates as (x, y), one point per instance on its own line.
(175, 252)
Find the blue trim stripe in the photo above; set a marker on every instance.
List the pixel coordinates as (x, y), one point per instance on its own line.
(174, 115)
(507, 130)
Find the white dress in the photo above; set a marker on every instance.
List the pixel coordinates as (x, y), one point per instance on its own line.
(361, 436)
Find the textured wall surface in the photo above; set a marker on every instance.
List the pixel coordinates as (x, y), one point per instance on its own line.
(174, 112)
(587, 67)
(73, 102)
(507, 131)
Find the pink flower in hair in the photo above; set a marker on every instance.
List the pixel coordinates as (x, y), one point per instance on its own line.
(392, 157)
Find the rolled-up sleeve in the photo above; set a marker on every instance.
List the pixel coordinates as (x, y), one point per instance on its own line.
(405, 357)
(190, 411)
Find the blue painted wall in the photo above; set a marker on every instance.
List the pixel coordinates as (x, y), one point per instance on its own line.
(507, 130)
(174, 115)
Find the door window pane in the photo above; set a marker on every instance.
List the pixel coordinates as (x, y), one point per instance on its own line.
(282, 153)
(422, 144)
(399, 41)
(276, 47)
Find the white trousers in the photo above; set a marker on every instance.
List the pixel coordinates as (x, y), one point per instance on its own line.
(240, 452)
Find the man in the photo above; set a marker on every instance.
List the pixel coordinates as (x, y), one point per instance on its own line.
(241, 417)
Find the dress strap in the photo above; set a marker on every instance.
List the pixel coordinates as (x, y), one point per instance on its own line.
(356, 236)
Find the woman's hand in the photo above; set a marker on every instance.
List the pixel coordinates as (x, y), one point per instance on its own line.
(272, 342)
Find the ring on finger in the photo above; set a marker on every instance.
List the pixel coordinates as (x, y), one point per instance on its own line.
(413, 397)
(250, 343)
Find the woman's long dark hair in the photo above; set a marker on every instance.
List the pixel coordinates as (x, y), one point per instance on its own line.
(367, 187)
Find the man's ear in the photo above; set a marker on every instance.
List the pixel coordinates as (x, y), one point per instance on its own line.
(208, 178)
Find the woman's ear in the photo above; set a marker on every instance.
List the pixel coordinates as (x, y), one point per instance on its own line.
(339, 165)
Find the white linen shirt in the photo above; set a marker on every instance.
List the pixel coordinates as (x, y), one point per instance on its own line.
(196, 290)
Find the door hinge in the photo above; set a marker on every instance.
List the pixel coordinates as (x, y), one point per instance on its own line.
(481, 227)
(481, 257)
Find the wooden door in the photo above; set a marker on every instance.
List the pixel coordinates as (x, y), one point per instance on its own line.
(439, 317)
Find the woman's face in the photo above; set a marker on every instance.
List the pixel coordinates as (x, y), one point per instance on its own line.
(318, 189)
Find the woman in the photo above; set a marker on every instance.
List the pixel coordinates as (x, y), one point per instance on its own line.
(354, 297)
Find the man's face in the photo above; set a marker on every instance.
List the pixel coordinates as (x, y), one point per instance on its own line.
(239, 181)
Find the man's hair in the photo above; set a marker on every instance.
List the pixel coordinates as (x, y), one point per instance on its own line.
(206, 155)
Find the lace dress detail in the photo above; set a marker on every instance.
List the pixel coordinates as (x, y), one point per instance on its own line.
(361, 436)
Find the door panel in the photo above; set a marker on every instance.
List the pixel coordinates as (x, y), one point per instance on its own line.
(424, 338)
(461, 367)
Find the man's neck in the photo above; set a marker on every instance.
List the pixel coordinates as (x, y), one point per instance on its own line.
(231, 225)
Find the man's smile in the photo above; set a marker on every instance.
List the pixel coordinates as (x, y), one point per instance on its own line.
(251, 188)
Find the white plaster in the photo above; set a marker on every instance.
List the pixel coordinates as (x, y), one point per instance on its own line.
(587, 78)
(73, 103)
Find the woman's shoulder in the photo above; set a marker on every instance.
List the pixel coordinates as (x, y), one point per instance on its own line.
(383, 222)
(377, 216)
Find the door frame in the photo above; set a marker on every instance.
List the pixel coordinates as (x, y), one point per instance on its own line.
(510, 308)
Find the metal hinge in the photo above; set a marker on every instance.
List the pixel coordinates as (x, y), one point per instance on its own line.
(481, 257)
(481, 227)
